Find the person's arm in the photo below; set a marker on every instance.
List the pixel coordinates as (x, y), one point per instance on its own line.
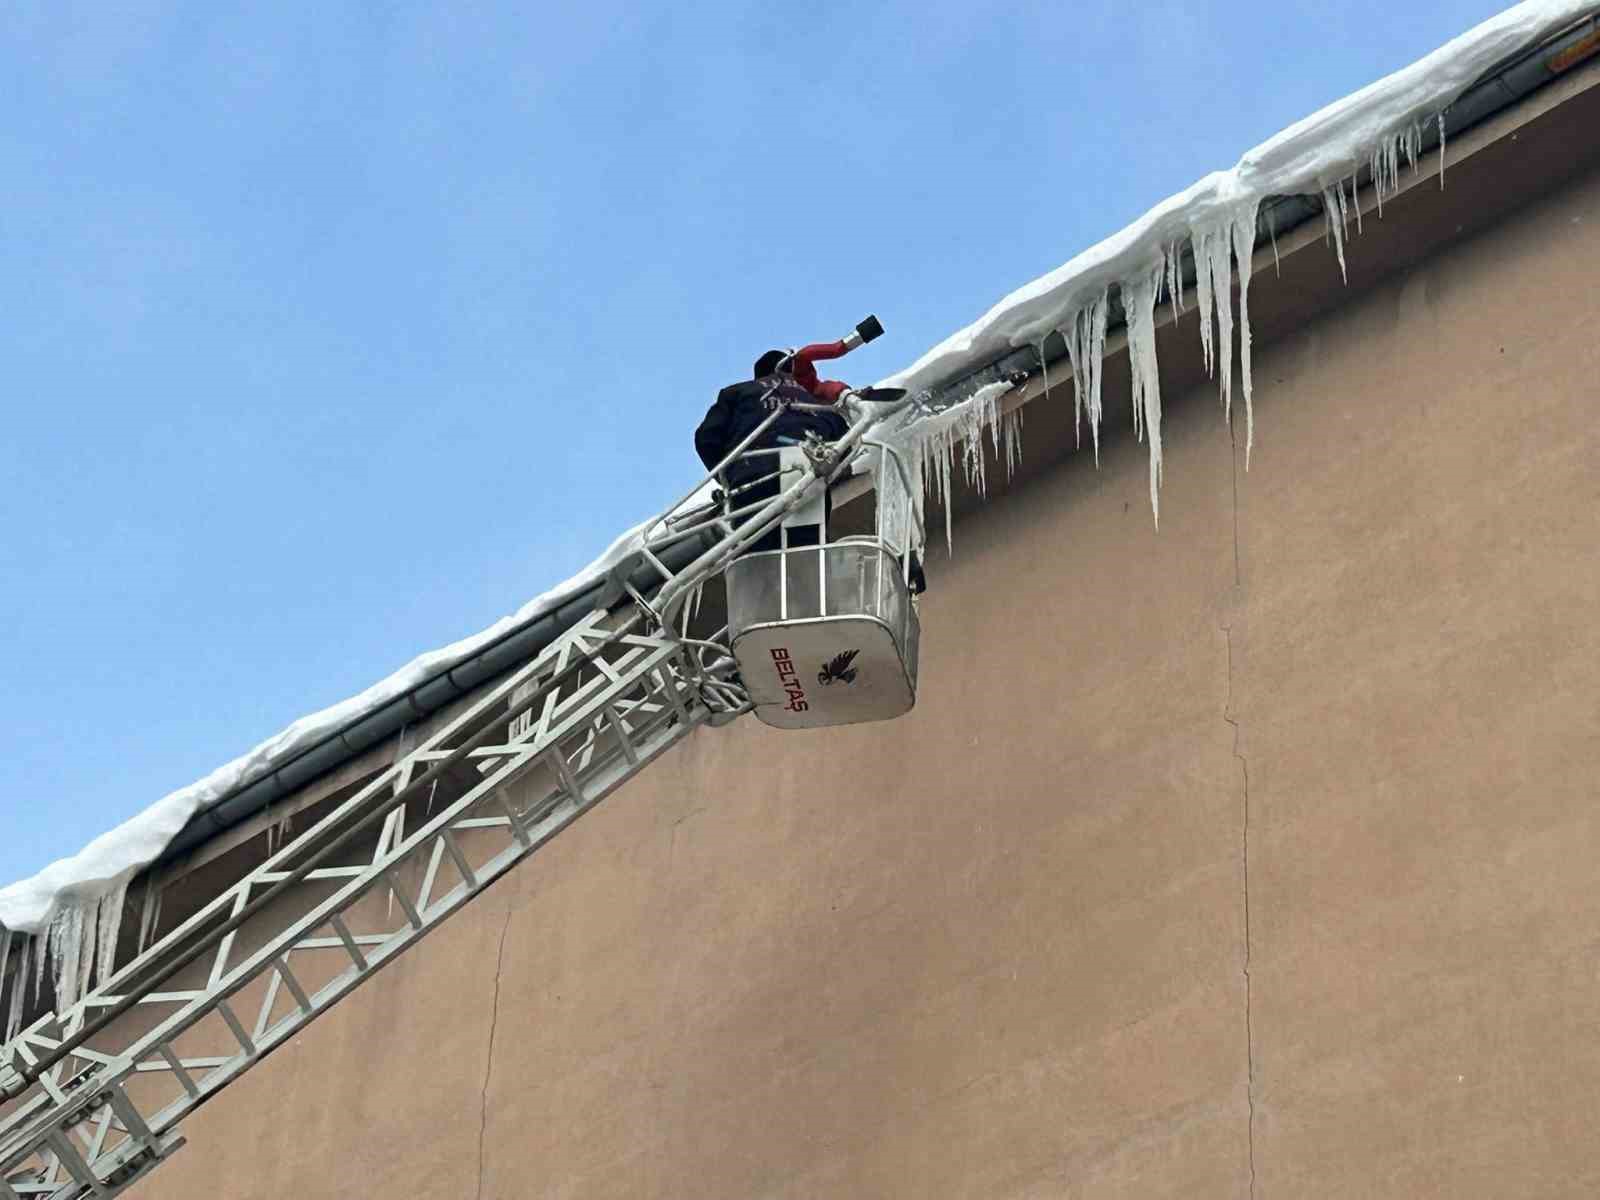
(805, 374)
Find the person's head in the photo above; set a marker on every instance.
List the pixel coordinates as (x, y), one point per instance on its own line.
(767, 364)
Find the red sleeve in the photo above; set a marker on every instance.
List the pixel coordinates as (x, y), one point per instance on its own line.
(806, 375)
(821, 351)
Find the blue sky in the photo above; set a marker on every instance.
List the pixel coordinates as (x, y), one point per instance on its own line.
(333, 332)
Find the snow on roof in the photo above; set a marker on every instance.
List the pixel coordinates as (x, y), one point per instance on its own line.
(1377, 127)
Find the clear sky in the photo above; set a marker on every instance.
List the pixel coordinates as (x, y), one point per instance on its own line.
(332, 332)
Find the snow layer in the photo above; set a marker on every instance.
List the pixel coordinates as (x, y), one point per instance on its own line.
(77, 902)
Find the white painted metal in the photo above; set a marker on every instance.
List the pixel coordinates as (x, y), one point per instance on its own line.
(785, 667)
(90, 1099)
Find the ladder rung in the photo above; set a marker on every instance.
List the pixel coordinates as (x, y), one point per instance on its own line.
(281, 965)
(102, 1131)
(129, 1115)
(187, 1080)
(460, 859)
(343, 930)
(67, 1155)
(412, 914)
(504, 802)
(246, 1042)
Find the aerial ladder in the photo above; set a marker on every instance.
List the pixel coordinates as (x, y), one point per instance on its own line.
(94, 1098)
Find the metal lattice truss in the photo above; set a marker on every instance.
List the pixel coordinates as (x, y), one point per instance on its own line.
(92, 1099)
(367, 882)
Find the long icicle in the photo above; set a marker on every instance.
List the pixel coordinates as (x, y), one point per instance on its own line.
(1086, 350)
(19, 989)
(1333, 213)
(150, 917)
(1219, 248)
(1441, 151)
(1244, 246)
(109, 928)
(1205, 296)
(7, 940)
(1139, 303)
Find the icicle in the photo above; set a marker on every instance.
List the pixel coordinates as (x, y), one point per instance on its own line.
(1272, 231)
(1213, 246)
(1086, 347)
(81, 943)
(1139, 302)
(41, 952)
(932, 445)
(1013, 434)
(67, 951)
(86, 954)
(1355, 204)
(7, 939)
(278, 834)
(109, 928)
(1441, 151)
(19, 988)
(1174, 279)
(1244, 244)
(1378, 165)
(1333, 213)
(1207, 297)
(942, 493)
(278, 827)
(151, 917)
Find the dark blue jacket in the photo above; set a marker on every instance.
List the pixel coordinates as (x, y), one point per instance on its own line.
(739, 408)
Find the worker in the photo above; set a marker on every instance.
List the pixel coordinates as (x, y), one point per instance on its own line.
(783, 376)
(780, 376)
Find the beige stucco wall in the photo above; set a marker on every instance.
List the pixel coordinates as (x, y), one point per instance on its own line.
(1253, 855)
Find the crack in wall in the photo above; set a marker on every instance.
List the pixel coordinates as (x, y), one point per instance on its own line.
(1249, 1025)
(1237, 577)
(1244, 856)
(488, 1065)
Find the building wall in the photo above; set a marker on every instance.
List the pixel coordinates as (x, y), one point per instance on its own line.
(1250, 856)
